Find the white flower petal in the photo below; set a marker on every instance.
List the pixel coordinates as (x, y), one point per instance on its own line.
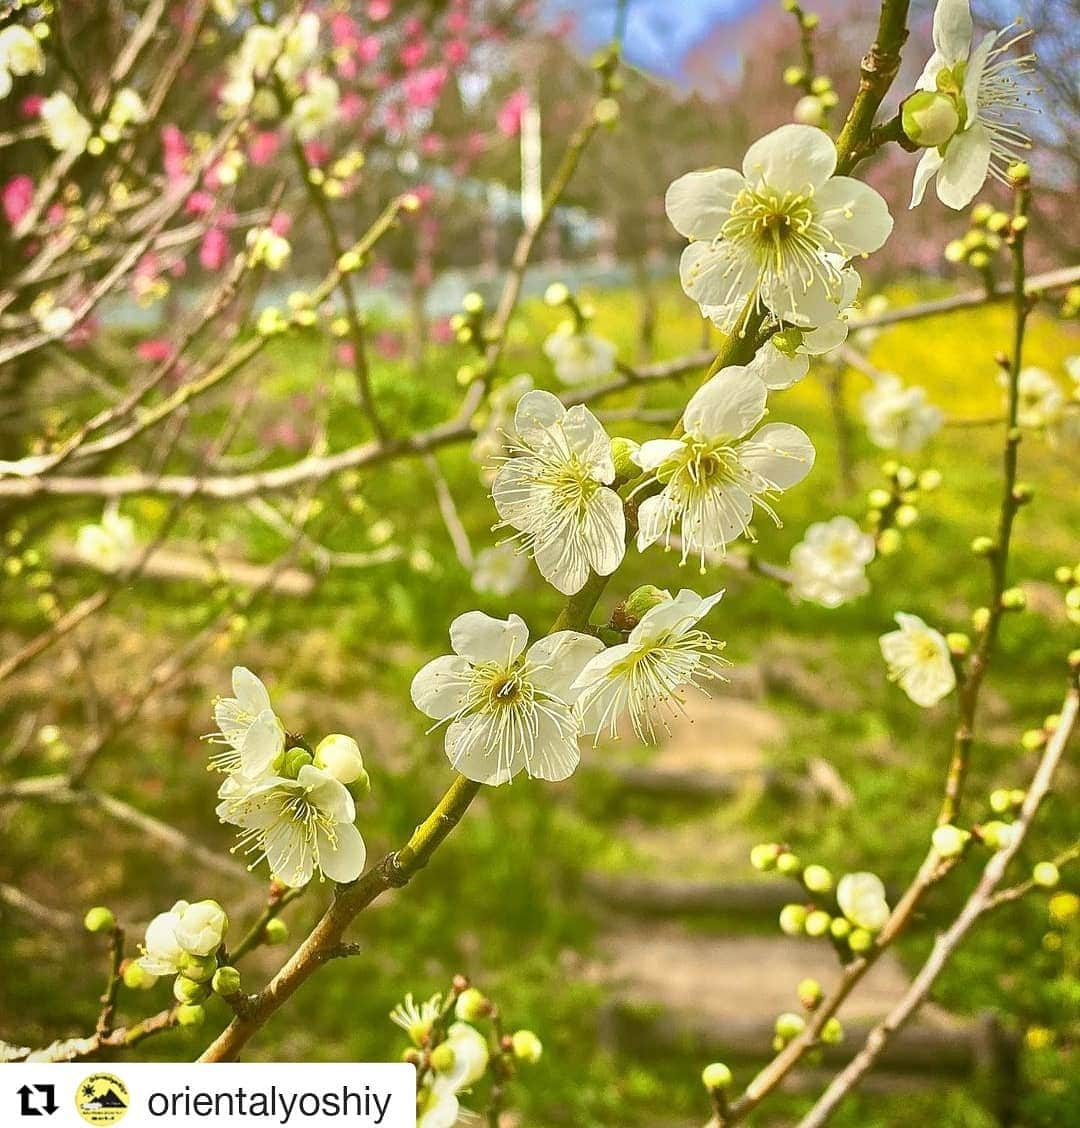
(263, 742)
(654, 519)
(699, 202)
(952, 29)
(964, 167)
(856, 215)
(925, 171)
(481, 638)
(440, 688)
(780, 453)
(341, 858)
(554, 754)
(707, 274)
(330, 795)
(727, 405)
(604, 532)
(289, 852)
(655, 452)
(791, 159)
(536, 412)
(587, 438)
(975, 67)
(775, 369)
(563, 563)
(249, 691)
(472, 749)
(556, 661)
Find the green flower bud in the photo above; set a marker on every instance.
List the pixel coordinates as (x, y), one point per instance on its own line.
(790, 1025)
(226, 982)
(817, 879)
(716, 1076)
(980, 618)
(949, 841)
(527, 1047)
(860, 940)
(557, 294)
(99, 919)
(190, 1014)
(793, 919)
(443, 1057)
(878, 499)
(788, 863)
(629, 613)
(810, 993)
(1072, 598)
(339, 756)
(955, 251)
(1013, 599)
(906, 516)
(471, 1005)
(1045, 875)
(295, 759)
(889, 542)
(998, 221)
(981, 213)
(1033, 740)
(1000, 801)
(929, 118)
(929, 479)
(996, 835)
(832, 1033)
(817, 923)
(136, 979)
(840, 928)
(979, 260)
(821, 84)
(276, 931)
(198, 968)
(188, 991)
(810, 20)
(1019, 172)
(466, 374)
(622, 451)
(763, 856)
(472, 303)
(606, 111)
(809, 110)
(349, 261)
(793, 76)
(959, 643)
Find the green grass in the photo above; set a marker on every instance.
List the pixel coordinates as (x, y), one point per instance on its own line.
(501, 900)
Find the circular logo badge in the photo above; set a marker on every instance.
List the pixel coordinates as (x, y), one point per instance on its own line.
(101, 1098)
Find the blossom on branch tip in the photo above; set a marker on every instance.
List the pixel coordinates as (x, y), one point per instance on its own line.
(918, 660)
(554, 492)
(507, 709)
(989, 88)
(66, 129)
(717, 472)
(108, 545)
(251, 733)
(664, 653)
(828, 564)
(778, 234)
(861, 897)
(20, 54)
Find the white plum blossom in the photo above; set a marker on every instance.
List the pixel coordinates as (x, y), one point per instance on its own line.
(1040, 400)
(499, 570)
(665, 652)
(898, 416)
(828, 564)
(554, 491)
(186, 929)
(491, 437)
(861, 897)
(127, 108)
(201, 928)
(259, 49)
(417, 1019)
(471, 1056)
(315, 109)
(108, 545)
(918, 660)
(300, 826)
(778, 234)
(989, 89)
(299, 47)
(507, 709)
(579, 357)
(20, 54)
(251, 734)
(717, 472)
(66, 129)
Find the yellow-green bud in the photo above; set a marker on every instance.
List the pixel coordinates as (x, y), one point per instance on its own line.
(443, 1057)
(763, 856)
(1072, 598)
(906, 516)
(136, 978)
(186, 990)
(1022, 493)
(276, 931)
(955, 251)
(190, 1014)
(809, 110)
(1000, 800)
(817, 923)
(1074, 659)
(1018, 224)
(226, 982)
(1046, 875)
(641, 600)
(556, 294)
(1019, 172)
(817, 879)
(789, 1025)
(996, 835)
(471, 1005)
(349, 261)
(979, 260)
(810, 993)
(295, 759)
(1013, 599)
(788, 863)
(466, 374)
(99, 919)
(198, 968)
(622, 452)
(997, 222)
(959, 643)
(981, 213)
(410, 202)
(983, 546)
(821, 84)
(606, 111)
(889, 542)
(860, 940)
(832, 1033)
(1033, 739)
(793, 76)
(878, 499)
(793, 919)
(527, 1047)
(1063, 574)
(980, 618)
(339, 756)
(472, 303)
(840, 928)
(929, 118)
(716, 1076)
(949, 841)
(810, 20)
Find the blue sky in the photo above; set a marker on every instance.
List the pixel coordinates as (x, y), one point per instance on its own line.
(658, 33)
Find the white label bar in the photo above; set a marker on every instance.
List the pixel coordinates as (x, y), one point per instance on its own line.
(236, 1095)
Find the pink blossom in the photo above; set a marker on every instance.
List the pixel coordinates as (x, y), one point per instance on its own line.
(263, 147)
(441, 332)
(317, 152)
(413, 54)
(423, 87)
(389, 344)
(178, 268)
(199, 202)
(351, 106)
(456, 52)
(367, 48)
(508, 118)
(475, 144)
(153, 349)
(345, 354)
(175, 151)
(343, 30)
(431, 145)
(347, 67)
(30, 106)
(55, 215)
(17, 196)
(457, 22)
(281, 223)
(413, 27)
(214, 249)
(378, 10)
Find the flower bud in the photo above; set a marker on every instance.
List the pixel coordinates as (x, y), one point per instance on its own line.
(809, 110)
(629, 613)
(929, 479)
(983, 546)
(817, 923)
(557, 294)
(929, 118)
(201, 928)
(188, 991)
(472, 303)
(1033, 739)
(793, 76)
(198, 968)
(790, 1025)
(832, 1033)
(1045, 875)
(878, 499)
(443, 1058)
(979, 260)
(276, 931)
(949, 841)
(136, 978)
(980, 618)
(295, 759)
(788, 863)
(190, 1014)
(1023, 493)
(1019, 172)
(763, 856)
(622, 452)
(955, 251)
(810, 993)
(1000, 801)
(716, 1076)
(226, 982)
(793, 919)
(606, 111)
(471, 1005)
(339, 756)
(526, 1046)
(860, 940)
(817, 879)
(959, 643)
(840, 928)
(889, 543)
(906, 516)
(99, 919)
(1013, 599)
(996, 835)
(1064, 907)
